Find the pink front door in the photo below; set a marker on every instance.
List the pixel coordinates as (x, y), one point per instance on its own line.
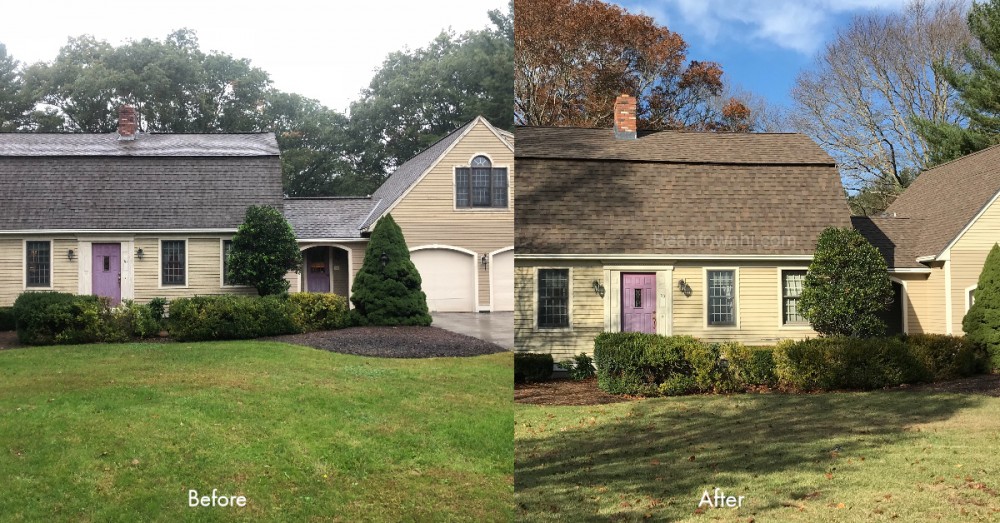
(639, 302)
(107, 271)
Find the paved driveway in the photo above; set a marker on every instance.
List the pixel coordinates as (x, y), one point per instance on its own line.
(495, 327)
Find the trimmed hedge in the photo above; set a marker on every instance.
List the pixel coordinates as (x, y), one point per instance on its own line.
(7, 319)
(315, 311)
(649, 364)
(228, 317)
(531, 367)
(47, 318)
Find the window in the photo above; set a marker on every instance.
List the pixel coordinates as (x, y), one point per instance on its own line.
(721, 292)
(38, 264)
(481, 185)
(971, 299)
(791, 291)
(227, 246)
(553, 298)
(173, 263)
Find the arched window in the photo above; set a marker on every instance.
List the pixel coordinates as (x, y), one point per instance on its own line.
(481, 184)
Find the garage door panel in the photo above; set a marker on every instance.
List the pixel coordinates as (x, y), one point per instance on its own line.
(503, 281)
(448, 279)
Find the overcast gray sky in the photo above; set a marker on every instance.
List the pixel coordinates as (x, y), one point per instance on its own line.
(324, 50)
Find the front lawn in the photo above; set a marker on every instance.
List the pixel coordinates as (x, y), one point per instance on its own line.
(122, 432)
(901, 455)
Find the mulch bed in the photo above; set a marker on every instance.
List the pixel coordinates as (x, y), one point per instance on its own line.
(8, 340)
(571, 392)
(394, 342)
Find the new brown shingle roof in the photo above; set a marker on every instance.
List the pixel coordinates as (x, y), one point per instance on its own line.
(948, 197)
(581, 191)
(895, 238)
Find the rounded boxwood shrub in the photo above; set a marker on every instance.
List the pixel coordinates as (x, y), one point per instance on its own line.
(46, 318)
(750, 366)
(532, 367)
(948, 357)
(636, 363)
(386, 290)
(316, 311)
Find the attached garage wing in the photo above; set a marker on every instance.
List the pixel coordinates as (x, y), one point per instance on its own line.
(449, 278)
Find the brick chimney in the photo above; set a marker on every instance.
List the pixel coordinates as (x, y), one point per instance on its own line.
(625, 109)
(128, 123)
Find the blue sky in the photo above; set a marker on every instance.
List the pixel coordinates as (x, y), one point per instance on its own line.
(761, 44)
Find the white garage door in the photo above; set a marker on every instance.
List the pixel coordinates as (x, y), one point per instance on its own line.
(502, 285)
(448, 279)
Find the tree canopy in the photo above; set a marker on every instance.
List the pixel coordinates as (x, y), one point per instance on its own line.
(573, 57)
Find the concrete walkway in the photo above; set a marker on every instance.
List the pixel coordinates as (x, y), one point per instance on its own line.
(495, 327)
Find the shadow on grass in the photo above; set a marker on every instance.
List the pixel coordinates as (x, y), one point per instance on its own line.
(622, 461)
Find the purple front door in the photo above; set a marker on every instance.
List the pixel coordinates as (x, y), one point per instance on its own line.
(318, 269)
(639, 302)
(108, 271)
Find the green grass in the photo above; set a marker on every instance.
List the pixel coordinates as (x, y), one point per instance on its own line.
(121, 432)
(880, 456)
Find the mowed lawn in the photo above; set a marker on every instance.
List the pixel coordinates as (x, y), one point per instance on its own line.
(122, 432)
(880, 456)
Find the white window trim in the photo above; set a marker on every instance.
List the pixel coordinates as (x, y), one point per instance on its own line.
(468, 165)
(569, 301)
(805, 326)
(159, 263)
(968, 303)
(222, 267)
(24, 264)
(736, 298)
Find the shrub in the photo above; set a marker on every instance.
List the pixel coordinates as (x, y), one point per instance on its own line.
(386, 290)
(129, 321)
(7, 319)
(847, 287)
(315, 311)
(637, 363)
(579, 367)
(531, 367)
(847, 363)
(264, 250)
(750, 366)
(158, 308)
(948, 357)
(231, 317)
(46, 318)
(982, 323)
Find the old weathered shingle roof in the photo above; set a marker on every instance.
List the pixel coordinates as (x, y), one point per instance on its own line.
(316, 218)
(948, 197)
(895, 238)
(572, 143)
(84, 144)
(157, 182)
(584, 192)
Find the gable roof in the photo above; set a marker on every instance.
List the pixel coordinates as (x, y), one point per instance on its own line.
(57, 182)
(948, 198)
(582, 191)
(107, 144)
(410, 172)
(327, 218)
(895, 238)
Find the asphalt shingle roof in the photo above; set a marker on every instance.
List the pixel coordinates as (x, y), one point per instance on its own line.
(107, 144)
(581, 191)
(895, 238)
(313, 218)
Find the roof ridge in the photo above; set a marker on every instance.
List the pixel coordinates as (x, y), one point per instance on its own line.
(949, 162)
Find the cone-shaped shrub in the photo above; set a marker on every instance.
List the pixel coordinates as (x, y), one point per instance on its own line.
(982, 323)
(386, 290)
(847, 287)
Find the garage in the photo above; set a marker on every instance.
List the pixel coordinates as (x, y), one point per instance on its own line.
(502, 285)
(449, 278)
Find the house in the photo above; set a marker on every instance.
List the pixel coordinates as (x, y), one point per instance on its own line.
(706, 234)
(935, 238)
(454, 203)
(131, 215)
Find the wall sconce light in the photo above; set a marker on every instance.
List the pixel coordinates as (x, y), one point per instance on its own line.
(384, 259)
(598, 288)
(484, 261)
(685, 289)
(139, 254)
(70, 254)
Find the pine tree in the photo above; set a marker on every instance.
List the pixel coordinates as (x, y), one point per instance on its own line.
(982, 323)
(847, 287)
(978, 90)
(386, 290)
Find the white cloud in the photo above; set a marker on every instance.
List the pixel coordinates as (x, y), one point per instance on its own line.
(798, 25)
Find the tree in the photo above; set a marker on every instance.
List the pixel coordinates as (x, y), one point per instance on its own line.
(573, 57)
(982, 323)
(15, 102)
(386, 290)
(847, 287)
(419, 96)
(264, 250)
(860, 98)
(978, 88)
